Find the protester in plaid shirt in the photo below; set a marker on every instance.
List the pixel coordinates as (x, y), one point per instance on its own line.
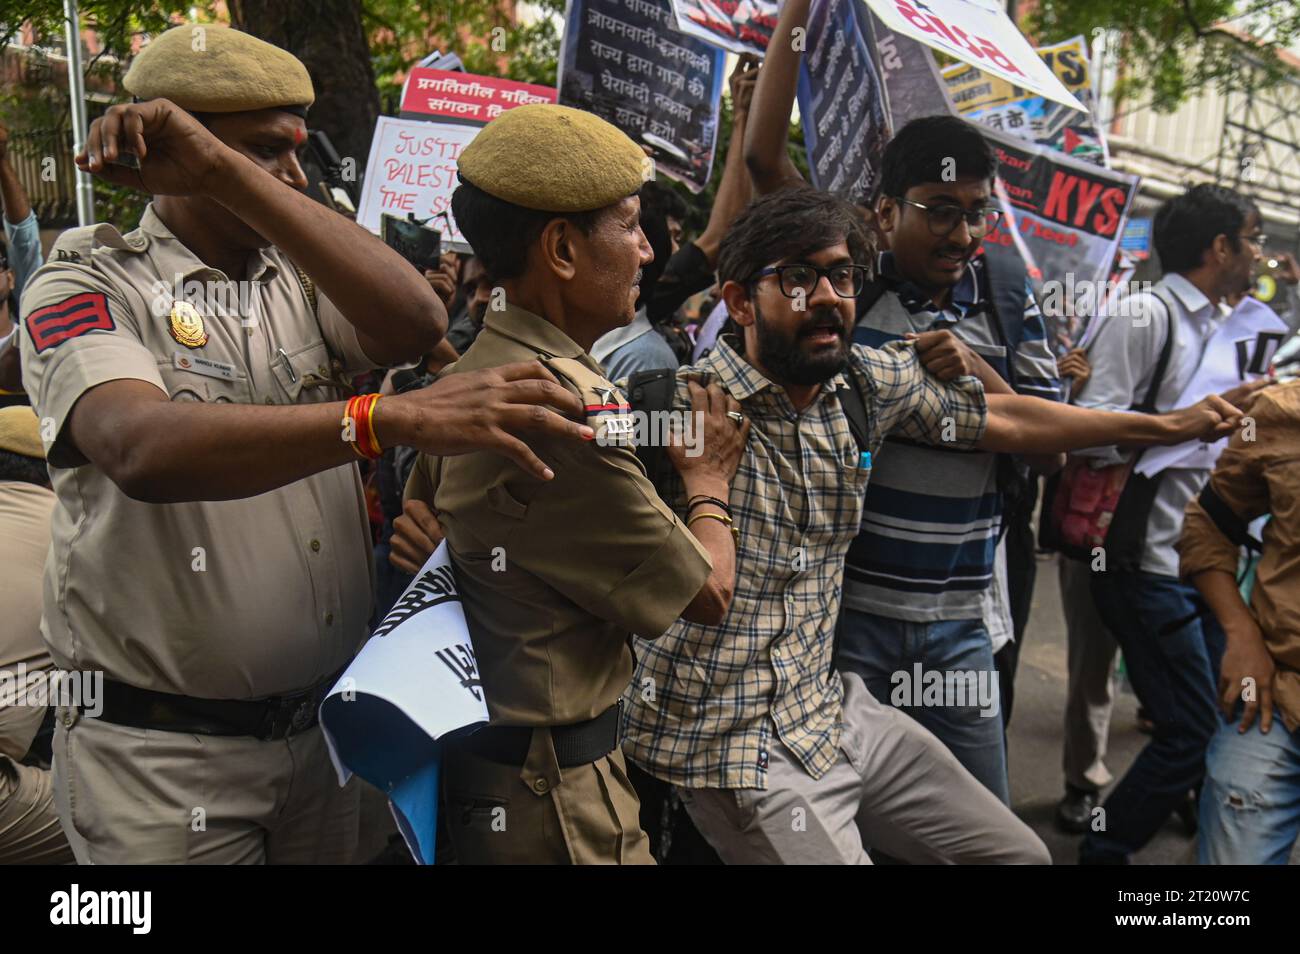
(778, 757)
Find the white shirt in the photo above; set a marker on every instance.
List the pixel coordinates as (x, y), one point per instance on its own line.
(1123, 355)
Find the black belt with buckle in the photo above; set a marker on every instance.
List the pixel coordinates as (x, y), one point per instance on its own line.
(276, 717)
(577, 744)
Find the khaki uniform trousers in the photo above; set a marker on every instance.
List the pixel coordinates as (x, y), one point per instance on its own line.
(29, 826)
(540, 813)
(896, 787)
(143, 796)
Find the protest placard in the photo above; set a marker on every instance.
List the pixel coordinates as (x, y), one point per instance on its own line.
(412, 169)
(994, 102)
(841, 103)
(911, 80)
(414, 683)
(740, 26)
(625, 61)
(1240, 349)
(459, 97)
(1063, 218)
(977, 32)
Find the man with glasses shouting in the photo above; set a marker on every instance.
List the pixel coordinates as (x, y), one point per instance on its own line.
(919, 578)
(779, 757)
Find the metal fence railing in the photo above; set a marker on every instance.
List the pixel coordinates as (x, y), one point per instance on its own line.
(43, 160)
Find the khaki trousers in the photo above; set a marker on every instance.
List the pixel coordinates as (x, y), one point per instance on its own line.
(896, 787)
(141, 796)
(29, 826)
(540, 813)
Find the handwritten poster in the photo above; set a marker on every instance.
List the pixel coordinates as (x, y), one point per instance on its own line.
(412, 169)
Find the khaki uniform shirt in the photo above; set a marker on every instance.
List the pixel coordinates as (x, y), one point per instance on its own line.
(24, 539)
(233, 599)
(1257, 477)
(555, 575)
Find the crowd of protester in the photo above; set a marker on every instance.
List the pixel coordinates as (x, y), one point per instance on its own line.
(687, 658)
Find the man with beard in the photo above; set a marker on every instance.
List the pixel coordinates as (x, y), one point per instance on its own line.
(778, 757)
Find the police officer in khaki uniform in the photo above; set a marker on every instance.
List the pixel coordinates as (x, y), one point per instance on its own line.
(555, 576)
(29, 825)
(210, 548)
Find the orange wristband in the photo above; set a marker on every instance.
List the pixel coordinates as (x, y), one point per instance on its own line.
(370, 426)
(360, 411)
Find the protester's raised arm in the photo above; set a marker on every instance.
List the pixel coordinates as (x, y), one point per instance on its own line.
(735, 188)
(16, 204)
(768, 131)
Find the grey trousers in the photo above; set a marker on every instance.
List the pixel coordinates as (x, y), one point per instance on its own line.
(1092, 652)
(895, 787)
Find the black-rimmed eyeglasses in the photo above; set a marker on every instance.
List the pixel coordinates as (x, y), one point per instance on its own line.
(944, 218)
(846, 280)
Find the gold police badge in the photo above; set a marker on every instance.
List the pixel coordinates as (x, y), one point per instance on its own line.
(186, 325)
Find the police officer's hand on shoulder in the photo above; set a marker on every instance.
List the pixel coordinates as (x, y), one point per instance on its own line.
(175, 153)
(485, 410)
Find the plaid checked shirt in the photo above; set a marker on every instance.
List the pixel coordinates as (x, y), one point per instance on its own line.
(706, 701)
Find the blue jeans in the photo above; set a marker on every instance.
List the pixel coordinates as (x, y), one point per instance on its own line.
(1250, 805)
(886, 652)
(1172, 651)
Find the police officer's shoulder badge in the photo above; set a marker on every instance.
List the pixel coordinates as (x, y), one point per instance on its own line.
(608, 414)
(186, 325)
(605, 409)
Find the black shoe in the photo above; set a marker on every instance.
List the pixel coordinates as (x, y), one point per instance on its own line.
(1074, 811)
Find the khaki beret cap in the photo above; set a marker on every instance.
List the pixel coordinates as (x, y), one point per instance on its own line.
(554, 159)
(19, 431)
(218, 70)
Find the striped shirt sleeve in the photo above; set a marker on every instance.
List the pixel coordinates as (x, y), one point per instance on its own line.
(1036, 374)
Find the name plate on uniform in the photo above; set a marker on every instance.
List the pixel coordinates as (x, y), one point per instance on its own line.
(415, 681)
(205, 366)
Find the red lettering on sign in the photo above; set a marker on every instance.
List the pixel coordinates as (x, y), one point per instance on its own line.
(1057, 205)
(911, 14)
(990, 50)
(1087, 195)
(1106, 221)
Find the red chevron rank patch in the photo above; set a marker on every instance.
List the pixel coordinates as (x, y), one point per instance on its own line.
(55, 324)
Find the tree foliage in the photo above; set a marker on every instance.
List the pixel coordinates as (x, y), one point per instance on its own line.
(1171, 49)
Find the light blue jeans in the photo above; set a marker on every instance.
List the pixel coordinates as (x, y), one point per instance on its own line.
(1250, 802)
(886, 653)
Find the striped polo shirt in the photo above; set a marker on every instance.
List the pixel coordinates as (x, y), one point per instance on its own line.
(932, 514)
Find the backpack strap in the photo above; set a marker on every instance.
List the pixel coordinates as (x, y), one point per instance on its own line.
(1148, 405)
(1229, 524)
(855, 409)
(1007, 288)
